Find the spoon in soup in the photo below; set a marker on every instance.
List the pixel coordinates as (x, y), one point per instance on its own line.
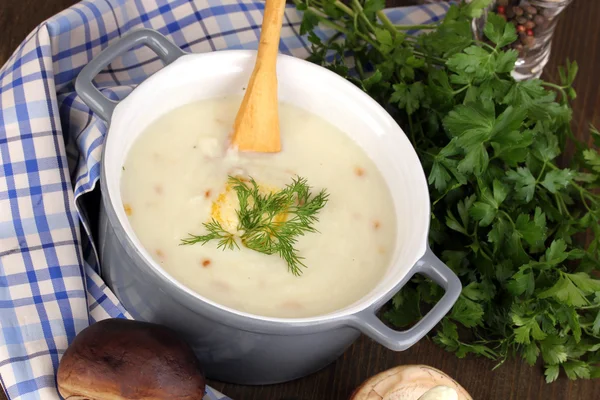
(256, 126)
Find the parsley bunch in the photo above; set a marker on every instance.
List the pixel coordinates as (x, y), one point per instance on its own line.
(506, 217)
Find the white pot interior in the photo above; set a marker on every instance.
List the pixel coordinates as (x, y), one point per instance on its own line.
(201, 76)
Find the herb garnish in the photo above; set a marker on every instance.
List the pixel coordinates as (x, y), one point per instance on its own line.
(269, 223)
(504, 212)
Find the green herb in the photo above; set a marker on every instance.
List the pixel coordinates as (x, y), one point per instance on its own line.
(269, 223)
(215, 232)
(505, 214)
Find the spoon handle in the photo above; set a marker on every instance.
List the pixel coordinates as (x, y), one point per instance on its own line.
(270, 35)
(256, 126)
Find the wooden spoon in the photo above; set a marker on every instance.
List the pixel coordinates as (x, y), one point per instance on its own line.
(256, 126)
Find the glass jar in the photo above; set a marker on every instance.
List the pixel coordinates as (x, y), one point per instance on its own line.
(535, 21)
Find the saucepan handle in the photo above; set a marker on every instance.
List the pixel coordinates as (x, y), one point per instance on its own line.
(431, 266)
(84, 86)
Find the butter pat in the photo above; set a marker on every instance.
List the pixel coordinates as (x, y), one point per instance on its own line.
(440, 393)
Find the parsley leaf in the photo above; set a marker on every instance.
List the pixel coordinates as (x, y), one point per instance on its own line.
(551, 373)
(467, 312)
(593, 159)
(553, 350)
(522, 282)
(499, 31)
(406, 307)
(576, 369)
(371, 7)
(557, 179)
(309, 22)
(524, 183)
(556, 253)
(566, 292)
(474, 62)
(475, 8)
(408, 97)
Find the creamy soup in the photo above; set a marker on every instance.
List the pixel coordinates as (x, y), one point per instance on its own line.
(175, 179)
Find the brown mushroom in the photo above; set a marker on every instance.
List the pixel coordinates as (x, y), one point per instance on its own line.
(407, 382)
(119, 359)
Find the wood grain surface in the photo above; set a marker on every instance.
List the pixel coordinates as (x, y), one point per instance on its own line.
(577, 38)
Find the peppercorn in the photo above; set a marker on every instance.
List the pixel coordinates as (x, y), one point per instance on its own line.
(529, 32)
(539, 20)
(531, 10)
(529, 41)
(520, 49)
(510, 13)
(529, 24)
(503, 3)
(501, 10)
(521, 20)
(518, 11)
(522, 36)
(520, 28)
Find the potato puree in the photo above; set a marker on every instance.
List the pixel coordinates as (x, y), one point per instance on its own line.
(177, 169)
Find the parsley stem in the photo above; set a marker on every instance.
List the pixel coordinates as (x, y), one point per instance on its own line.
(509, 218)
(386, 22)
(476, 241)
(362, 16)
(584, 201)
(359, 67)
(327, 22)
(341, 6)
(493, 49)
(554, 86)
(438, 60)
(561, 203)
(462, 89)
(541, 172)
(451, 188)
(333, 25)
(414, 27)
(582, 191)
(324, 19)
(589, 308)
(369, 40)
(334, 38)
(560, 89)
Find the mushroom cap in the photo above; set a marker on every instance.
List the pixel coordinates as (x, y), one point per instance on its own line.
(119, 359)
(406, 382)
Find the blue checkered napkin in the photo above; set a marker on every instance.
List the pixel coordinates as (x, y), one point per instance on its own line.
(50, 146)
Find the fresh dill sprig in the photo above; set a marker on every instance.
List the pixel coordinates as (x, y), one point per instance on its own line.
(215, 231)
(271, 223)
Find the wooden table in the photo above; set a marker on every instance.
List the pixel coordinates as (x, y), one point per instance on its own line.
(578, 38)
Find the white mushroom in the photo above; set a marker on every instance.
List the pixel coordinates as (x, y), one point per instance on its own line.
(410, 382)
(440, 393)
